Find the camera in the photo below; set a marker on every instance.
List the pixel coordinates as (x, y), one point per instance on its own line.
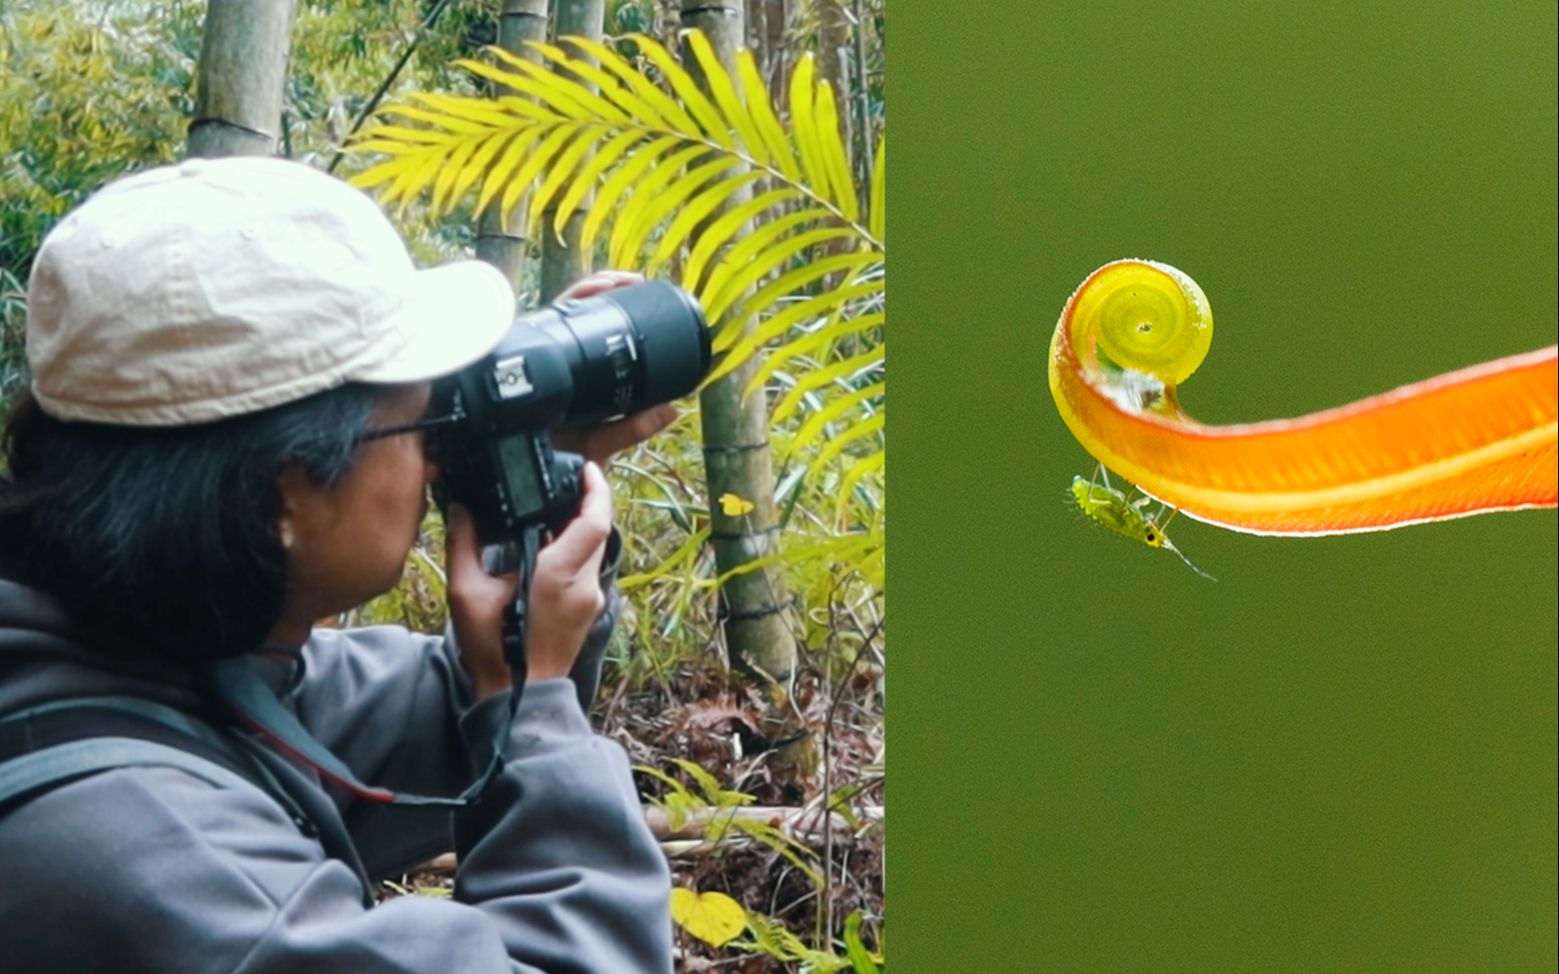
(573, 363)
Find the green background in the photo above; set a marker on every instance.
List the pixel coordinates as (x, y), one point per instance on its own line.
(1342, 755)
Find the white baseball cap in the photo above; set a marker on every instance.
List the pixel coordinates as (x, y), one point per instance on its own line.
(217, 287)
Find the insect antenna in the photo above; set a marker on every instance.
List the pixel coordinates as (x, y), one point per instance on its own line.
(1181, 555)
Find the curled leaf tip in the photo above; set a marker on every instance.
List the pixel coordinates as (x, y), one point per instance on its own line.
(1473, 441)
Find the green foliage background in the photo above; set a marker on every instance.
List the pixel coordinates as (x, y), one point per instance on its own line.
(1340, 757)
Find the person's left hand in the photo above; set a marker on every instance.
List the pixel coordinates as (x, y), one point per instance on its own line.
(598, 443)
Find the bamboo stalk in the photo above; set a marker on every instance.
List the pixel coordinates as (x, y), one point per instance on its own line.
(562, 260)
(737, 458)
(242, 76)
(499, 242)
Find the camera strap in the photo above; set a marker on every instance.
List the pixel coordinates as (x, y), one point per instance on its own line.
(514, 617)
(255, 705)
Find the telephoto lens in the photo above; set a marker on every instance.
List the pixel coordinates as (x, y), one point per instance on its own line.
(584, 360)
(574, 363)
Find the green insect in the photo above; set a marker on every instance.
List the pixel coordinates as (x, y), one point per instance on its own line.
(1129, 518)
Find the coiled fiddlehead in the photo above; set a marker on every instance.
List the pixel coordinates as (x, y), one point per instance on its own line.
(1477, 440)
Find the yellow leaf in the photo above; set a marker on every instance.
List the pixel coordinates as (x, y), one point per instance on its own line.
(803, 125)
(682, 83)
(618, 183)
(769, 128)
(831, 147)
(646, 189)
(636, 108)
(694, 212)
(602, 160)
(724, 228)
(735, 506)
(714, 918)
(725, 96)
(752, 241)
(676, 192)
(665, 108)
(559, 172)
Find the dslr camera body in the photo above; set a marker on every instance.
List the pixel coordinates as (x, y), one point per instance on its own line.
(573, 363)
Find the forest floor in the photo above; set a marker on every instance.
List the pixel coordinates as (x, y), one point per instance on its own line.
(763, 837)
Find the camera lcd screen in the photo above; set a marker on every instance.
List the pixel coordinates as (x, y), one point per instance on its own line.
(519, 470)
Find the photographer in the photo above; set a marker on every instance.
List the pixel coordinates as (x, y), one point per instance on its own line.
(231, 367)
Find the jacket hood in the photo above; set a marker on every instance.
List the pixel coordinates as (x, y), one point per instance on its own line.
(45, 655)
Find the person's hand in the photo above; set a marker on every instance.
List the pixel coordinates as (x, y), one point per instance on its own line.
(595, 283)
(598, 443)
(477, 602)
(565, 596)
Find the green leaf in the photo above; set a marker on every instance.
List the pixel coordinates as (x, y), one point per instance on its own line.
(861, 959)
(879, 213)
(816, 378)
(836, 444)
(871, 463)
(818, 421)
(707, 782)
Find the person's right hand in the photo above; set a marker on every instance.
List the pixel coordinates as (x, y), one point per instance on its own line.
(565, 595)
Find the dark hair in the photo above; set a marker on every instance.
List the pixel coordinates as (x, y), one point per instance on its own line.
(166, 537)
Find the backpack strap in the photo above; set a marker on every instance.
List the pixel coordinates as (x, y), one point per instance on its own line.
(51, 745)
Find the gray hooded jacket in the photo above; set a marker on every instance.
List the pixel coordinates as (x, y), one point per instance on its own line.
(155, 869)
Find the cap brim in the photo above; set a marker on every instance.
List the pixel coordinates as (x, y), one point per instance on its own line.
(456, 313)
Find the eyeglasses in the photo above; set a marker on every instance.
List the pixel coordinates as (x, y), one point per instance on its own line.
(420, 425)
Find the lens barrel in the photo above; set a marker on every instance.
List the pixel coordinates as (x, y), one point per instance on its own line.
(628, 349)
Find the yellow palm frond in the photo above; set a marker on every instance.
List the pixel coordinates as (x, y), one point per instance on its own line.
(657, 164)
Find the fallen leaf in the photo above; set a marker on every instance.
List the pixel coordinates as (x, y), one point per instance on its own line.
(712, 917)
